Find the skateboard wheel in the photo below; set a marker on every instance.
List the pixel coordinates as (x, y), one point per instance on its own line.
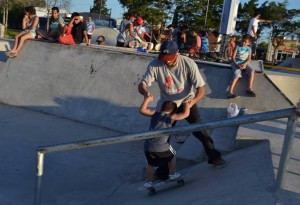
(151, 192)
(180, 182)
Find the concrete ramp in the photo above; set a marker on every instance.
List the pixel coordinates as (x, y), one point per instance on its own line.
(288, 84)
(110, 35)
(98, 85)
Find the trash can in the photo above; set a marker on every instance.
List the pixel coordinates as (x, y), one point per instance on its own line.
(2, 30)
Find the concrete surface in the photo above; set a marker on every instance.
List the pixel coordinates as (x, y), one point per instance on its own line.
(291, 62)
(287, 82)
(109, 34)
(5, 45)
(88, 87)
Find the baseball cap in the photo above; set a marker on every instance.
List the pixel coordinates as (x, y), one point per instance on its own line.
(168, 51)
(139, 20)
(100, 39)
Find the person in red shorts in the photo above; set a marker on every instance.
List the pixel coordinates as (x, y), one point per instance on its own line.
(74, 32)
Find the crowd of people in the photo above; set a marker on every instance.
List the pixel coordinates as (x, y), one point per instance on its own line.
(179, 80)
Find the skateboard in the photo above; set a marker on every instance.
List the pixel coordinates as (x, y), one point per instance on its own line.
(161, 183)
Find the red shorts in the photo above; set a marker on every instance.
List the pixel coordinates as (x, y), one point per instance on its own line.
(68, 38)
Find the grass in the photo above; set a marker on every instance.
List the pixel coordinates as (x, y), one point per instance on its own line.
(10, 33)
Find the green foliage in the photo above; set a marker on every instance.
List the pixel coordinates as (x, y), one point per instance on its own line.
(263, 45)
(100, 7)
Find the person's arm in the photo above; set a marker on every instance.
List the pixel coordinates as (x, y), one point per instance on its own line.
(244, 65)
(143, 90)
(93, 28)
(253, 30)
(184, 114)
(234, 56)
(265, 21)
(61, 22)
(131, 30)
(144, 110)
(86, 37)
(35, 23)
(200, 91)
(72, 20)
(24, 22)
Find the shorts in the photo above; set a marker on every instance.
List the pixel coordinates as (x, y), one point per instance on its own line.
(157, 159)
(67, 39)
(237, 73)
(32, 32)
(89, 36)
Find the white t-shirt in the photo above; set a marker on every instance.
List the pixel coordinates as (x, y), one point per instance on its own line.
(254, 23)
(176, 84)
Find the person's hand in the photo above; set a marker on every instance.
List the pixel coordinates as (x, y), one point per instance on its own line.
(147, 94)
(255, 36)
(149, 98)
(243, 66)
(188, 104)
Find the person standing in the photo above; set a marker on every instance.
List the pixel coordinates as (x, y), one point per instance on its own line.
(158, 151)
(177, 77)
(252, 29)
(90, 26)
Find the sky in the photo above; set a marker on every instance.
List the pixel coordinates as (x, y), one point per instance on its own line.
(117, 10)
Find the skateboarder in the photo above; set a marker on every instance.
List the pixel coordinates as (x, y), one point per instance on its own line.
(177, 76)
(158, 151)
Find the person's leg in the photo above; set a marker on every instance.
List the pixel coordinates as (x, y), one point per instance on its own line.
(67, 39)
(232, 85)
(236, 75)
(251, 79)
(150, 173)
(172, 165)
(203, 136)
(13, 50)
(23, 38)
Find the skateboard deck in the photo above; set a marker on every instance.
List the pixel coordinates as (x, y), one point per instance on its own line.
(163, 183)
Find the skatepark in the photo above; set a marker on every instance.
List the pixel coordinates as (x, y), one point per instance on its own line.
(90, 93)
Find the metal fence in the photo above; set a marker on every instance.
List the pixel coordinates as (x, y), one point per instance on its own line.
(290, 113)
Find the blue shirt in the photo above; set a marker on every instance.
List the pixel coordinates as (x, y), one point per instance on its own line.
(242, 54)
(205, 44)
(160, 144)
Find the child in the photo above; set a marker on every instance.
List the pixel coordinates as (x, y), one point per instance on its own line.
(231, 46)
(158, 150)
(29, 24)
(196, 44)
(240, 63)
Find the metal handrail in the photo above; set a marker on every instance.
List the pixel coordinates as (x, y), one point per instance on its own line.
(291, 113)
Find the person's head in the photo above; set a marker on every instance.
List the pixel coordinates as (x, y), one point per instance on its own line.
(100, 40)
(138, 21)
(256, 14)
(169, 107)
(76, 17)
(169, 53)
(30, 10)
(89, 19)
(55, 12)
(246, 40)
(233, 38)
(170, 27)
(129, 16)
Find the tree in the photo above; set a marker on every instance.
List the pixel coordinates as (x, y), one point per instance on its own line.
(100, 7)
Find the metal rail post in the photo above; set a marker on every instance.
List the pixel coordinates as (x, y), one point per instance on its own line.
(39, 175)
(286, 149)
